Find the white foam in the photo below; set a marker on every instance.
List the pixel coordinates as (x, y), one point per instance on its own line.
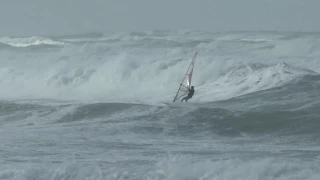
(184, 167)
(29, 41)
(296, 47)
(247, 79)
(120, 72)
(74, 171)
(176, 168)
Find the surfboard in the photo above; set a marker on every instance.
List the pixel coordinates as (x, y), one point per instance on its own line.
(186, 81)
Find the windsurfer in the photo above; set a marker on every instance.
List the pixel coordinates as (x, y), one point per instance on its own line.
(190, 94)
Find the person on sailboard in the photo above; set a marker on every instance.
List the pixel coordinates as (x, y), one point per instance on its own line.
(190, 94)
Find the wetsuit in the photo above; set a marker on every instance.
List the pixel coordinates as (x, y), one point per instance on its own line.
(190, 94)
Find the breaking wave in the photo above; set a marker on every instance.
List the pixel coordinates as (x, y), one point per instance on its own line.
(148, 66)
(29, 41)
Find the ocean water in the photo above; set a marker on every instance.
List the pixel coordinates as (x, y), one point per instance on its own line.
(98, 106)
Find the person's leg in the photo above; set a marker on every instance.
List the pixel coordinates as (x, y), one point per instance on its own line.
(187, 98)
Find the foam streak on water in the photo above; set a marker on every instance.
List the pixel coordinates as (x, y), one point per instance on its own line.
(94, 106)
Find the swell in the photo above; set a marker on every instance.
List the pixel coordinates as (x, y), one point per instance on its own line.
(97, 110)
(188, 121)
(298, 94)
(193, 121)
(280, 123)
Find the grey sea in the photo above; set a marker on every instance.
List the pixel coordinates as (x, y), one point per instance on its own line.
(99, 106)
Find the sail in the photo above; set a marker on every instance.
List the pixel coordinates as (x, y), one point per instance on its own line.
(186, 82)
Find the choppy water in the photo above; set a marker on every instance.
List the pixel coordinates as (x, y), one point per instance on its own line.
(92, 106)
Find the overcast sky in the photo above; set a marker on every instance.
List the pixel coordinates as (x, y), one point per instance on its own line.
(38, 17)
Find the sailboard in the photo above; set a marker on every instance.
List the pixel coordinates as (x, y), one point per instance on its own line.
(186, 82)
